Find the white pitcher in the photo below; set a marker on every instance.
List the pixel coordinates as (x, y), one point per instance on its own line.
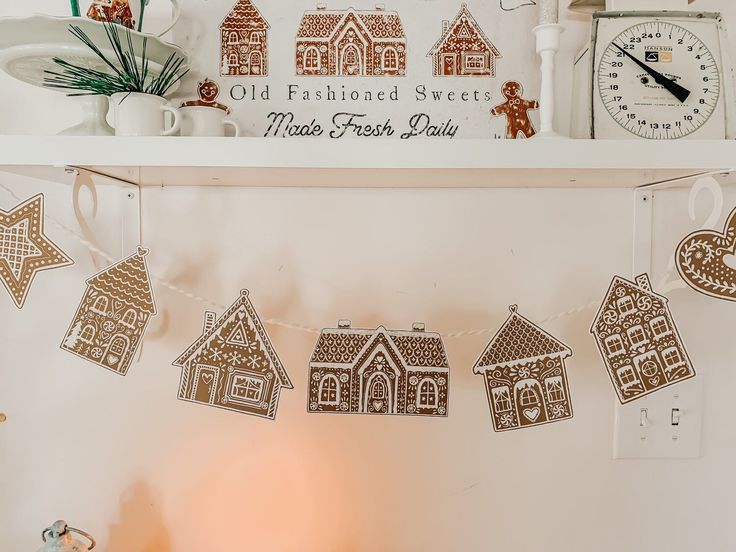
(137, 114)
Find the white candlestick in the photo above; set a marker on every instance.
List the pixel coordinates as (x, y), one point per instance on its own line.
(549, 12)
(548, 43)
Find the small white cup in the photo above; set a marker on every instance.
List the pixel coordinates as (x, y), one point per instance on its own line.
(137, 114)
(202, 120)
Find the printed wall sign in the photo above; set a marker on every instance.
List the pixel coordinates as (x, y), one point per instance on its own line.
(638, 340)
(350, 43)
(112, 317)
(244, 41)
(379, 371)
(463, 49)
(516, 111)
(24, 248)
(233, 364)
(525, 377)
(705, 260)
(357, 70)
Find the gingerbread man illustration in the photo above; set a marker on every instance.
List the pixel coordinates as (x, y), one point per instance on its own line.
(208, 91)
(516, 109)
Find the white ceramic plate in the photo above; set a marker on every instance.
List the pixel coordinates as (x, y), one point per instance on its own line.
(29, 44)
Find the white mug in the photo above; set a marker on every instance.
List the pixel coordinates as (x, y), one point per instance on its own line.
(139, 114)
(202, 120)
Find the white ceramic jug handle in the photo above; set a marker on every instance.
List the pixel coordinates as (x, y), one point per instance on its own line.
(177, 15)
(234, 125)
(177, 120)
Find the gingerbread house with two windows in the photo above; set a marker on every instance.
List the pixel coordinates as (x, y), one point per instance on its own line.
(112, 317)
(379, 371)
(233, 365)
(463, 49)
(351, 43)
(525, 376)
(638, 340)
(244, 42)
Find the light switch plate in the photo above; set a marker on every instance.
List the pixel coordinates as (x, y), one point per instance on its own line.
(645, 428)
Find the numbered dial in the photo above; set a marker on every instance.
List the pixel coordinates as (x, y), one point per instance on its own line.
(659, 81)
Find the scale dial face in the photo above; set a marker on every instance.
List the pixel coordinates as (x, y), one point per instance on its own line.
(634, 94)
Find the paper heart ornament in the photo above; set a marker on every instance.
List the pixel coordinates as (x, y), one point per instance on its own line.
(705, 260)
(531, 414)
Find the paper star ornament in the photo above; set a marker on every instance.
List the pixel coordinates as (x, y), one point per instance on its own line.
(24, 249)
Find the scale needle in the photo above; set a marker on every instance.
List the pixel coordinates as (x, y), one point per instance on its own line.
(679, 92)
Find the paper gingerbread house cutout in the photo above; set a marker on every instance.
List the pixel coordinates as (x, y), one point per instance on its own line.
(463, 49)
(638, 340)
(112, 317)
(244, 42)
(525, 376)
(379, 371)
(233, 364)
(351, 43)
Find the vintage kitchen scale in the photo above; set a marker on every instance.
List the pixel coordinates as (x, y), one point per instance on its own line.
(653, 70)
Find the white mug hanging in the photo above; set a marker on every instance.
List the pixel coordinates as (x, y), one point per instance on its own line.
(205, 116)
(139, 114)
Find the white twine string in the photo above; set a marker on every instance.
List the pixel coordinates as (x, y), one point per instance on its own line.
(283, 323)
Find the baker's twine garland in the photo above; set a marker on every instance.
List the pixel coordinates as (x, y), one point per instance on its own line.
(275, 321)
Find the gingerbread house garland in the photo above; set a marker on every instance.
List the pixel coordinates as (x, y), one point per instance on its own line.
(112, 317)
(233, 364)
(351, 43)
(379, 371)
(638, 340)
(244, 41)
(463, 49)
(525, 376)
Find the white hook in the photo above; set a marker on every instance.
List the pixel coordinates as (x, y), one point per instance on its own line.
(82, 179)
(707, 183)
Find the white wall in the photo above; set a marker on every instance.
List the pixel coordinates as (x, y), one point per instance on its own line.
(122, 458)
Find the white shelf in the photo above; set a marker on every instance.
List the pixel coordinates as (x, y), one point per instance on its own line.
(371, 163)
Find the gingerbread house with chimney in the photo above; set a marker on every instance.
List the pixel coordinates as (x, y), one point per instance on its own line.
(112, 317)
(379, 371)
(638, 340)
(244, 42)
(463, 49)
(351, 43)
(525, 376)
(233, 364)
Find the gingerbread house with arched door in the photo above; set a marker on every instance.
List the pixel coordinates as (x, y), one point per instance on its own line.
(525, 376)
(463, 49)
(112, 317)
(351, 43)
(379, 371)
(244, 42)
(638, 340)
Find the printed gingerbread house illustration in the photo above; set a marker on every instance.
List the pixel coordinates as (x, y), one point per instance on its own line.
(379, 371)
(525, 376)
(463, 49)
(244, 42)
(351, 43)
(638, 340)
(233, 364)
(113, 315)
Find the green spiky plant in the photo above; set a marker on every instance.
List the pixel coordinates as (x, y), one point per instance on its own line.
(75, 8)
(127, 73)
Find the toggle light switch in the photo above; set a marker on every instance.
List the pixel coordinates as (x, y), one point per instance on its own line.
(643, 420)
(675, 417)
